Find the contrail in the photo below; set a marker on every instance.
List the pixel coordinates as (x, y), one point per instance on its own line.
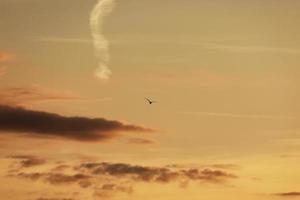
(101, 9)
(232, 115)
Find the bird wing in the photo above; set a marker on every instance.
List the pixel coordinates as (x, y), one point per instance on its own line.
(148, 100)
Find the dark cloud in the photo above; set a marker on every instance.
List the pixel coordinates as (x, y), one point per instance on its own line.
(106, 179)
(58, 178)
(154, 174)
(83, 180)
(140, 141)
(108, 190)
(37, 123)
(209, 175)
(288, 194)
(87, 172)
(32, 176)
(134, 172)
(28, 160)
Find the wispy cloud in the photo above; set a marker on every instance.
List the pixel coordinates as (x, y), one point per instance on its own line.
(27, 95)
(233, 115)
(223, 166)
(251, 48)
(140, 141)
(236, 48)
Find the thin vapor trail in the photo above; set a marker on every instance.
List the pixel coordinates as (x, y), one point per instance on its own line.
(232, 115)
(100, 10)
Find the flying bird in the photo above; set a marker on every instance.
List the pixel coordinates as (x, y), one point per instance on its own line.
(150, 101)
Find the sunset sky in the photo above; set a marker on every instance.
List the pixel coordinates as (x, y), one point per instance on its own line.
(75, 125)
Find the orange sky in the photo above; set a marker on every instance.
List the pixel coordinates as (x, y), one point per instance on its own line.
(225, 75)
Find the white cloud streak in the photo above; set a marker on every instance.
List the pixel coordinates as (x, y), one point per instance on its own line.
(100, 10)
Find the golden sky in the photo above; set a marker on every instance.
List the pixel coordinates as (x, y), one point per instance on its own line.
(225, 75)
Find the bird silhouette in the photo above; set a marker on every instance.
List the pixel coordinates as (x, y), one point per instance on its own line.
(150, 101)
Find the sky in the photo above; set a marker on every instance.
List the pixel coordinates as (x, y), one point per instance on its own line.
(74, 122)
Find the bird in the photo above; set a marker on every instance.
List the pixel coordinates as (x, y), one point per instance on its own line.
(150, 101)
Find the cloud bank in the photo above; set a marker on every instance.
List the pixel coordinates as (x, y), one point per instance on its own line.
(37, 123)
(155, 174)
(106, 179)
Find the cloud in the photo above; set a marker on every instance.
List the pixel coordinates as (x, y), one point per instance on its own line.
(235, 48)
(139, 173)
(101, 44)
(27, 95)
(106, 179)
(140, 141)
(251, 49)
(38, 123)
(234, 115)
(85, 172)
(129, 174)
(154, 174)
(57, 178)
(223, 166)
(288, 194)
(28, 160)
(60, 168)
(205, 166)
(209, 175)
(108, 190)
